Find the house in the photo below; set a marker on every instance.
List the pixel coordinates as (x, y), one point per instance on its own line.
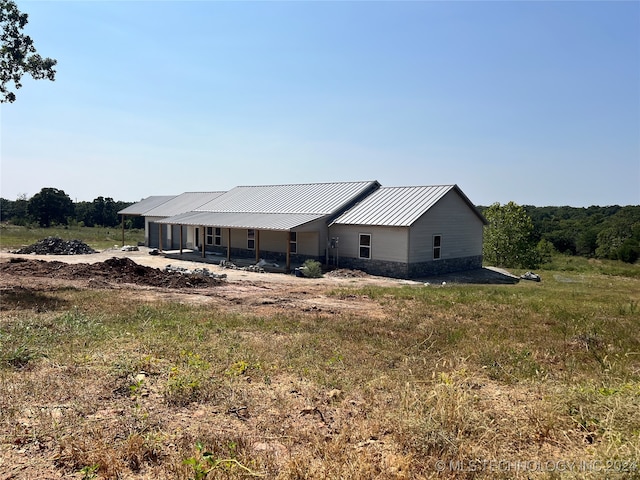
(404, 232)
(410, 232)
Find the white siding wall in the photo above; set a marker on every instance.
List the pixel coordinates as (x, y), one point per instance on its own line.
(451, 217)
(387, 243)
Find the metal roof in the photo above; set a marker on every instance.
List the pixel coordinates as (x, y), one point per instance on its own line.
(185, 202)
(146, 204)
(311, 198)
(398, 206)
(261, 221)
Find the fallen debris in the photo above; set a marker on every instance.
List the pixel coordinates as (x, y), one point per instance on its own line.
(250, 268)
(56, 246)
(530, 276)
(203, 272)
(129, 248)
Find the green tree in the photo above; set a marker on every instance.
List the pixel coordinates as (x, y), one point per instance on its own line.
(508, 239)
(619, 239)
(17, 53)
(49, 206)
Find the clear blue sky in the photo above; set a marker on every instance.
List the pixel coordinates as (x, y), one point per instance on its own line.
(535, 102)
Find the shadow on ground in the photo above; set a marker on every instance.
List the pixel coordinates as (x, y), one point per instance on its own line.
(485, 275)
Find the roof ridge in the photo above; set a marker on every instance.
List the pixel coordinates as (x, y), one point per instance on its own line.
(306, 183)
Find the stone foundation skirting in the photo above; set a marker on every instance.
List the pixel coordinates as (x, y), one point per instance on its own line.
(415, 270)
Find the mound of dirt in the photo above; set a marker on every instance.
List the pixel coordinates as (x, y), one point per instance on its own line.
(347, 273)
(57, 246)
(113, 270)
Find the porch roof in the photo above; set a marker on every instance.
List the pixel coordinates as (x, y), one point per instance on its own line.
(258, 221)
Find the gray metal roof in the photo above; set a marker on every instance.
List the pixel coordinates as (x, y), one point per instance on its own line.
(398, 206)
(186, 202)
(259, 221)
(311, 198)
(146, 204)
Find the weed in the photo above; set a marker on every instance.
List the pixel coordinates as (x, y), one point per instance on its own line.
(191, 379)
(205, 462)
(89, 472)
(19, 357)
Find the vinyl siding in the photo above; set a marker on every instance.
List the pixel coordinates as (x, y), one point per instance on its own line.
(387, 243)
(459, 226)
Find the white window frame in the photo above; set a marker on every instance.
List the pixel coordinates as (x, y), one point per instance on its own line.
(436, 243)
(209, 236)
(251, 239)
(365, 246)
(217, 236)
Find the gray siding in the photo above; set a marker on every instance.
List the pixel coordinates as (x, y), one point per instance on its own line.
(175, 236)
(388, 244)
(153, 239)
(460, 227)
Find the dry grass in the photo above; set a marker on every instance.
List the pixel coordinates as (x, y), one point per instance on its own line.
(99, 384)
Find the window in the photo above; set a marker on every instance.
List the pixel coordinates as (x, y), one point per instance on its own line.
(293, 242)
(365, 245)
(209, 235)
(437, 245)
(197, 234)
(251, 239)
(217, 236)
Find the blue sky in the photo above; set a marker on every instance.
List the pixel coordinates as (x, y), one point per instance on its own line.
(535, 102)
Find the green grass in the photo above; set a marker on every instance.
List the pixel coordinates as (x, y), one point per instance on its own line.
(13, 237)
(569, 263)
(529, 372)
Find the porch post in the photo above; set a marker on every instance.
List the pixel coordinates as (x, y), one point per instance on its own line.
(288, 251)
(203, 238)
(180, 239)
(228, 244)
(257, 246)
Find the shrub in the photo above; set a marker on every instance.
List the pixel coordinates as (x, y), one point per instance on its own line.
(312, 269)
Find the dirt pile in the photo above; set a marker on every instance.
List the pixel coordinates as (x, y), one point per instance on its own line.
(57, 246)
(347, 273)
(113, 270)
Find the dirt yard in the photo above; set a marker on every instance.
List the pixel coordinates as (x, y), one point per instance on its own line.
(144, 274)
(240, 290)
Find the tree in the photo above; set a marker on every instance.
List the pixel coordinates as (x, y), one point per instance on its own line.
(50, 205)
(619, 239)
(508, 240)
(17, 53)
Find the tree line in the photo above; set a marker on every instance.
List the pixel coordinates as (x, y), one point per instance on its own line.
(527, 236)
(52, 206)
